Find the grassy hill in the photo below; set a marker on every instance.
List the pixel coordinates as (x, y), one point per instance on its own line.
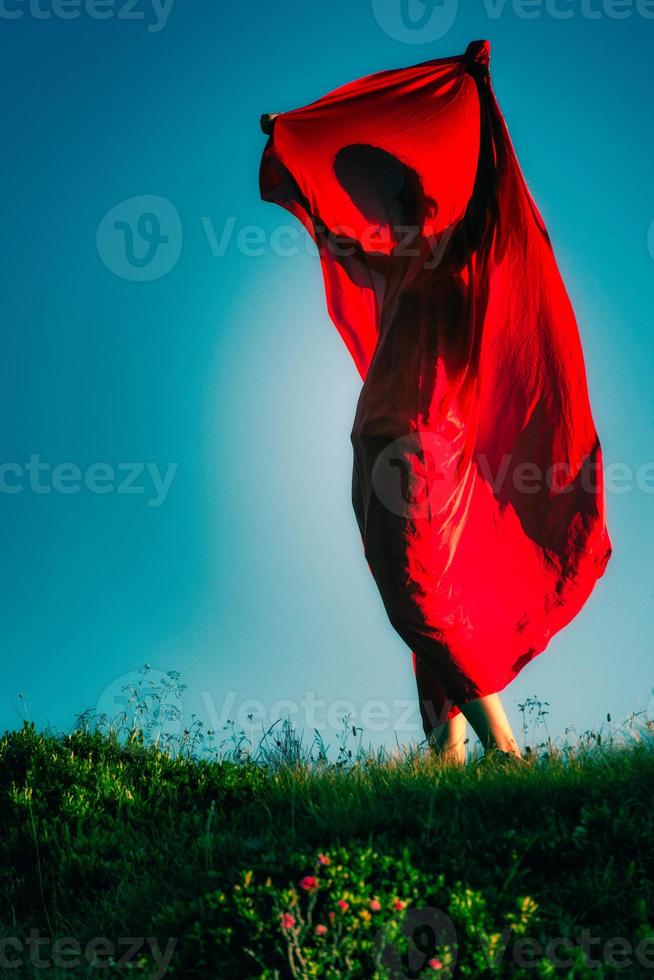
(369, 867)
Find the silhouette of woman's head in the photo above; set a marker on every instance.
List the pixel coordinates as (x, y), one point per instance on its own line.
(385, 190)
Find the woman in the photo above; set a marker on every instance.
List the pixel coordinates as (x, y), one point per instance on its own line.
(477, 478)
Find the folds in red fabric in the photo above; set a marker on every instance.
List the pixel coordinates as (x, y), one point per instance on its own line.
(477, 478)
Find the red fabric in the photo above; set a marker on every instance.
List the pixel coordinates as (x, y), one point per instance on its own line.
(477, 480)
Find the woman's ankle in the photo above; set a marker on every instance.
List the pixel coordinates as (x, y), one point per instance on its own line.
(453, 752)
(508, 746)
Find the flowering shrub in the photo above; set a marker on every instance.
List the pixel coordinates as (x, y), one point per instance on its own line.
(353, 913)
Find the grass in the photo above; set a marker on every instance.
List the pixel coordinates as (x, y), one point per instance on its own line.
(222, 860)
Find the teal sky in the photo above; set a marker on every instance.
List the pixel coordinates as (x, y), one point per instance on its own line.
(202, 399)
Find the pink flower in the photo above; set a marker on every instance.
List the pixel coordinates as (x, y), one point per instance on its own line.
(398, 904)
(435, 964)
(320, 930)
(343, 905)
(287, 921)
(309, 883)
(375, 905)
(332, 916)
(324, 859)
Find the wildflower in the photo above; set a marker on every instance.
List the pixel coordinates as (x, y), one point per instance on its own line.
(309, 883)
(398, 904)
(324, 859)
(365, 915)
(320, 930)
(435, 964)
(343, 905)
(374, 905)
(332, 916)
(287, 921)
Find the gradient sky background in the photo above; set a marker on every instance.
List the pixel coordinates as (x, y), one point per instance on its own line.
(249, 578)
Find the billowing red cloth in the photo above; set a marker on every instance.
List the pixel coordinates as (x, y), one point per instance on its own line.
(477, 479)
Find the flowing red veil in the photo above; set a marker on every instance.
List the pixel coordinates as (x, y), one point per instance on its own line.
(477, 479)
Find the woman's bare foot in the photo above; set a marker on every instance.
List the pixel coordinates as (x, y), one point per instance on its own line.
(447, 741)
(488, 718)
